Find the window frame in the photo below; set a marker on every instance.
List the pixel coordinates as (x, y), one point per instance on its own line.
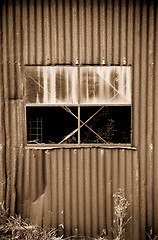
(79, 144)
(79, 124)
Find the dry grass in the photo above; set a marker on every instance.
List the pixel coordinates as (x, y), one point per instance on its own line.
(15, 228)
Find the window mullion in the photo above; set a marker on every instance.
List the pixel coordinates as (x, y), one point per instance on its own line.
(79, 139)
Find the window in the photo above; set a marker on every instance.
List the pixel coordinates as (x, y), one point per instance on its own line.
(78, 105)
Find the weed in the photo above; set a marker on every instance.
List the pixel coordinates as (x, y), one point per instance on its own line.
(120, 210)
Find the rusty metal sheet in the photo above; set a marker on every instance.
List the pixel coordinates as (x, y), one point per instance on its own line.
(77, 184)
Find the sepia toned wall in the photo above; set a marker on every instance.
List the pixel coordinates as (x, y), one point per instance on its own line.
(75, 186)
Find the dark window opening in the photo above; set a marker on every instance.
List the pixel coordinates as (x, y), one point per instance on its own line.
(112, 124)
(57, 125)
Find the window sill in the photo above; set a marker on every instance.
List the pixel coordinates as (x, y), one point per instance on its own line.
(68, 146)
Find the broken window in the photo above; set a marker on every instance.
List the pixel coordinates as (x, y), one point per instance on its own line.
(55, 124)
(78, 105)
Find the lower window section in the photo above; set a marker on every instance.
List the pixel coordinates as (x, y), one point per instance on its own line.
(112, 124)
(57, 123)
(78, 125)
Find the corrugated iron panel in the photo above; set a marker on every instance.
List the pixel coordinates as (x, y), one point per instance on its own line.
(11, 48)
(74, 187)
(60, 32)
(71, 186)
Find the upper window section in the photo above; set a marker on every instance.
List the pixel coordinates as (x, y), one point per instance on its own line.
(78, 85)
(105, 85)
(53, 85)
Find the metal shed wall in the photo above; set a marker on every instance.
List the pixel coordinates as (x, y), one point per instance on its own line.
(68, 182)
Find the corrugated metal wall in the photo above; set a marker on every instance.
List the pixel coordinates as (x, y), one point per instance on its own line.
(74, 186)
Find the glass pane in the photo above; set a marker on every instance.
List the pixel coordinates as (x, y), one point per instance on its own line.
(58, 125)
(112, 124)
(51, 84)
(59, 84)
(105, 85)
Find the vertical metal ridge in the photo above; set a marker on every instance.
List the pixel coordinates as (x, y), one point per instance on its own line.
(123, 33)
(109, 190)
(129, 191)
(150, 110)
(54, 32)
(74, 191)
(20, 121)
(2, 173)
(12, 178)
(31, 32)
(46, 33)
(47, 211)
(54, 184)
(2, 129)
(115, 170)
(33, 177)
(60, 181)
(18, 48)
(82, 32)
(115, 183)
(68, 31)
(122, 170)
(68, 194)
(60, 32)
(143, 114)
(39, 33)
(95, 32)
(26, 177)
(88, 196)
(75, 31)
(102, 34)
(136, 74)
(6, 105)
(101, 190)
(11, 49)
(94, 191)
(16, 122)
(130, 32)
(109, 18)
(81, 191)
(20, 180)
(155, 129)
(116, 33)
(25, 26)
(88, 32)
(13, 122)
